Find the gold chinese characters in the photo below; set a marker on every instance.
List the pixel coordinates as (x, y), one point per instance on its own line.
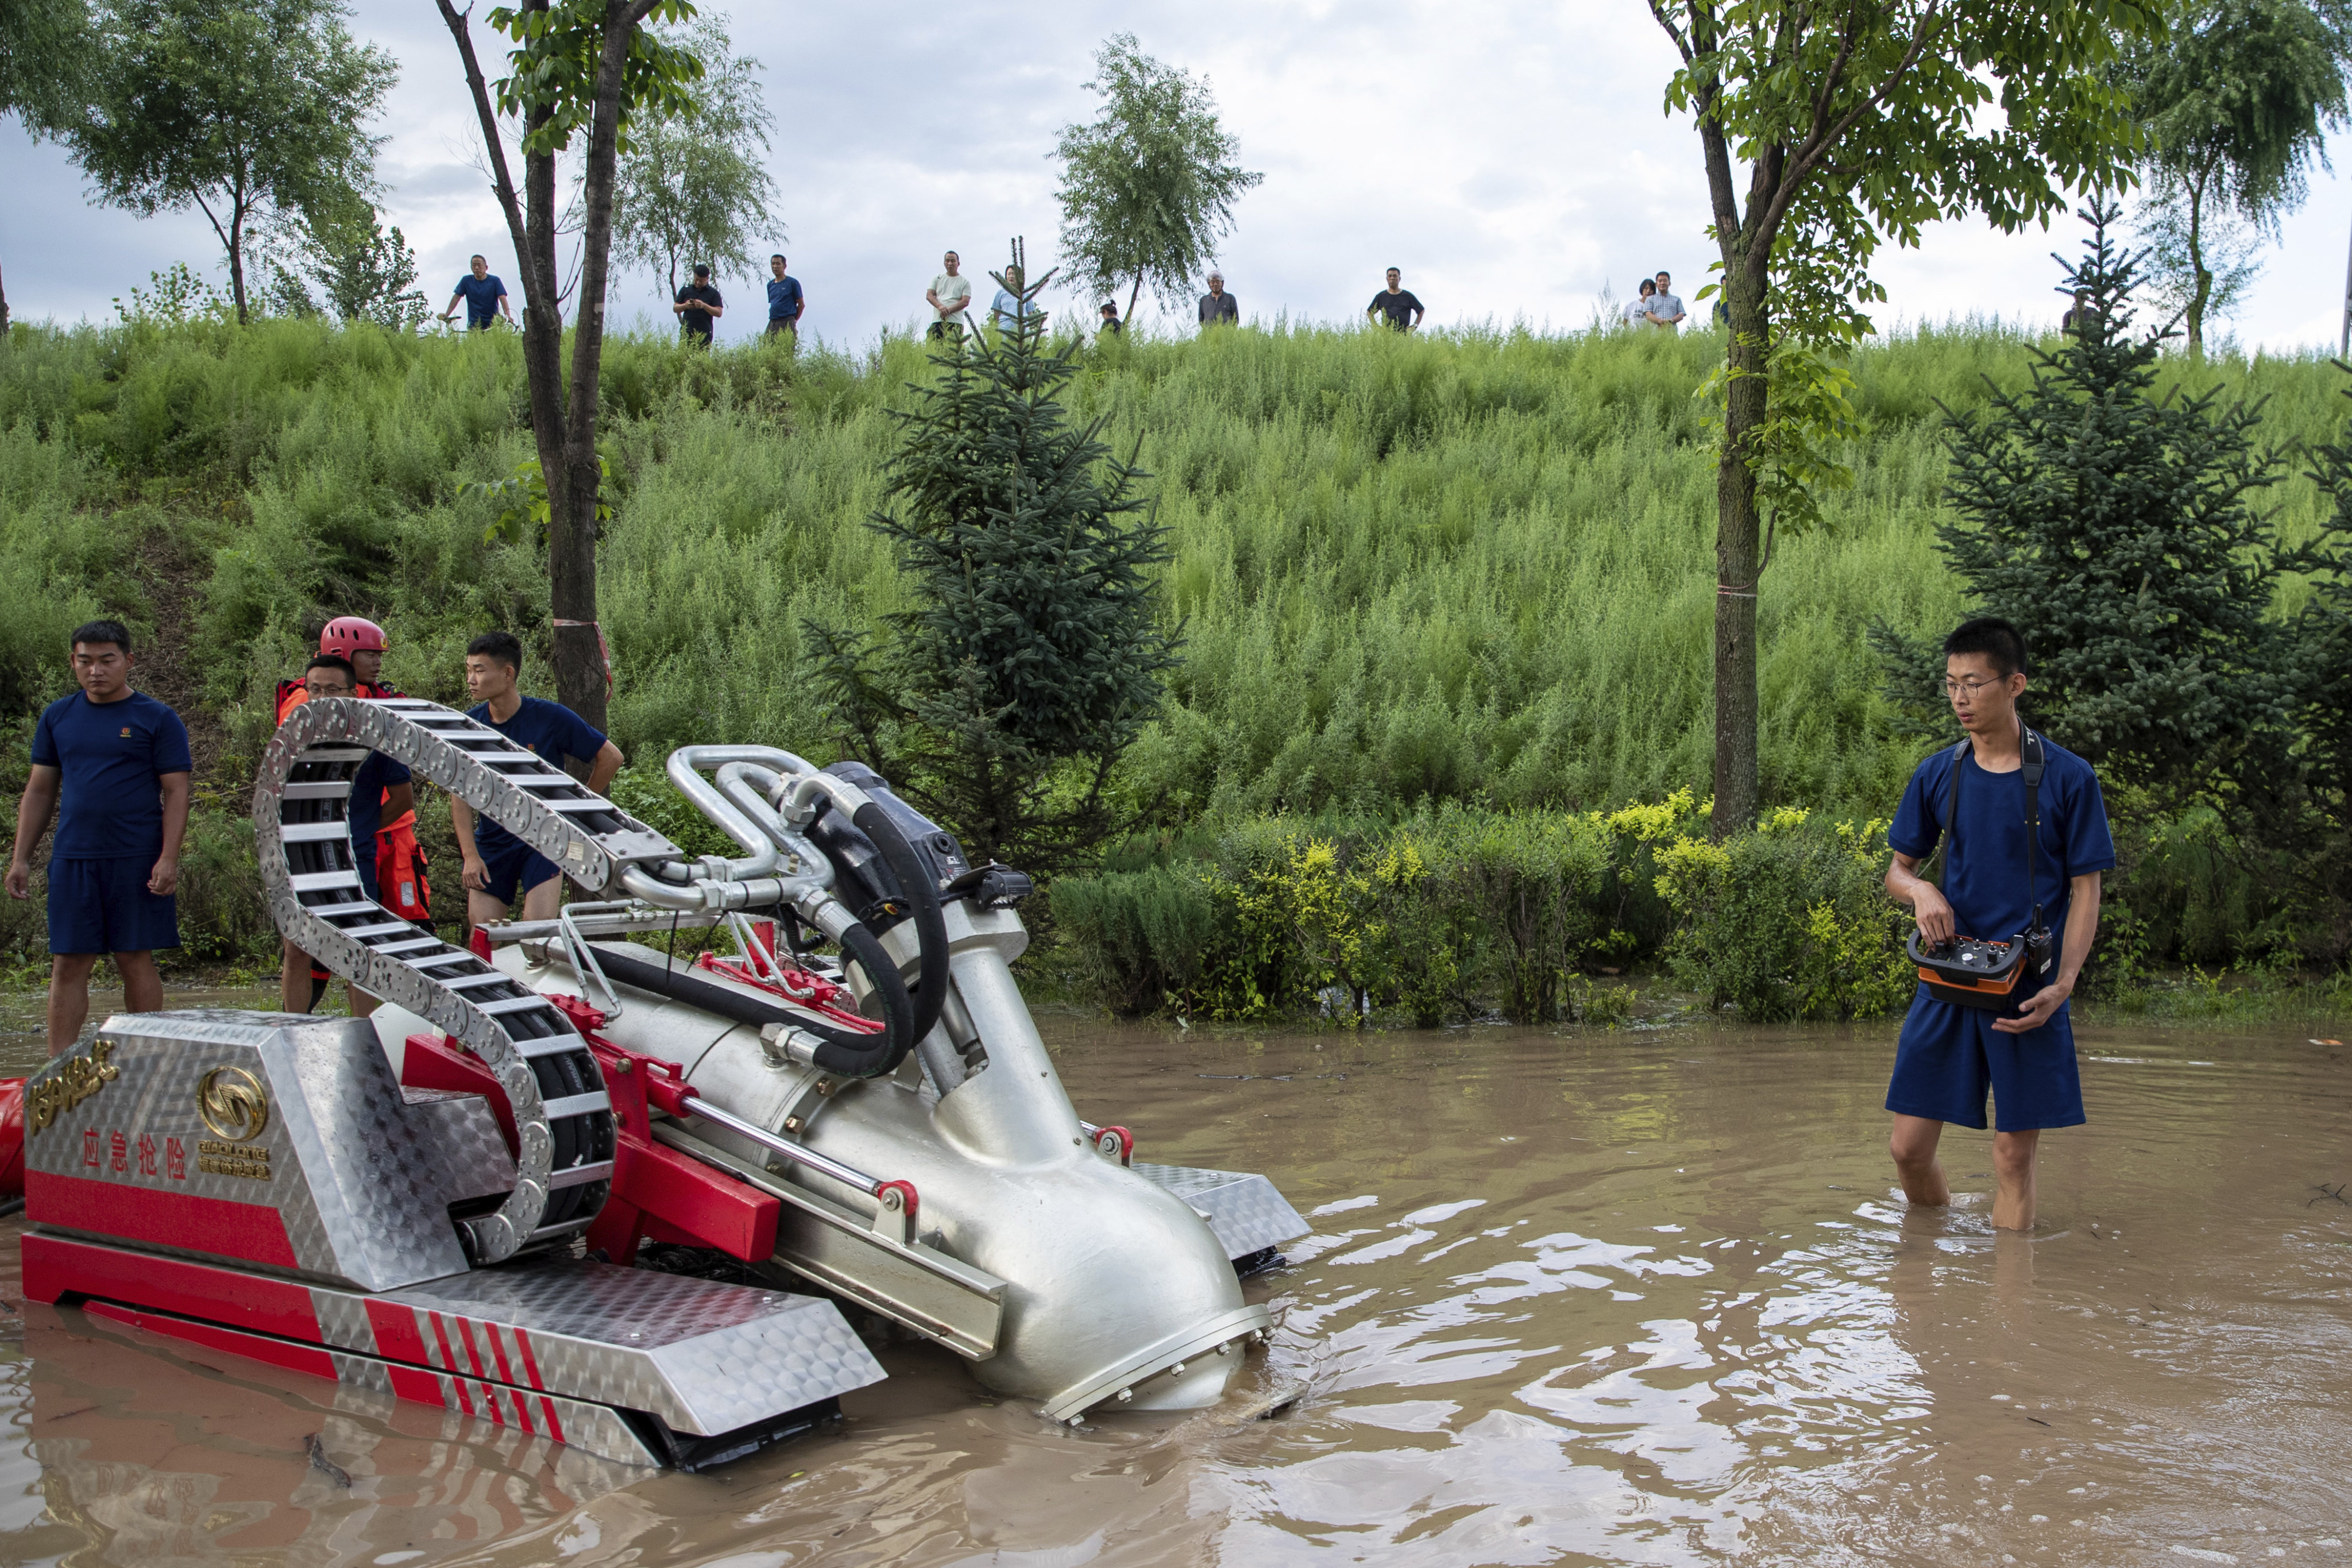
(76, 1079)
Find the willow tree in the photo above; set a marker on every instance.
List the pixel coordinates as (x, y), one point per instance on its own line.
(695, 184)
(579, 68)
(1149, 184)
(42, 45)
(2235, 109)
(1826, 130)
(240, 109)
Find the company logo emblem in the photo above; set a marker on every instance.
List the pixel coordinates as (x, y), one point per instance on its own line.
(233, 1104)
(126, 732)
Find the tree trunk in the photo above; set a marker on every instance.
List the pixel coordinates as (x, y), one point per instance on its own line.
(2203, 290)
(1133, 295)
(4, 312)
(1735, 538)
(236, 260)
(1746, 258)
(580, 672)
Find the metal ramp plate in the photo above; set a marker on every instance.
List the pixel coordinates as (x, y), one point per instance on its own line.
(565, 1346)
(1245, 1210)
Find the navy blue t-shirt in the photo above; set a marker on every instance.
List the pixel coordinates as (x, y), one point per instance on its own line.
(1984, 872)
(112, 756)
(550, 729)
(481, 297)
(378, 773)
(783, 297)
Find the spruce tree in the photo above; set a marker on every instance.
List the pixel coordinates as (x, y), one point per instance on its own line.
(2117, 528)
(1033, 655)
(2322, 637)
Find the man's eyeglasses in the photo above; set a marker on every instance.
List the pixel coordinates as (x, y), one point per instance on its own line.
(1970, 688)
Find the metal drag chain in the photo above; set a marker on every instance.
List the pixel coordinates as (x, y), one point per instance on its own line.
(562, 1117)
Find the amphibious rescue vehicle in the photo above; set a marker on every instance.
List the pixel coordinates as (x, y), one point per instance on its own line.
(846, 1102)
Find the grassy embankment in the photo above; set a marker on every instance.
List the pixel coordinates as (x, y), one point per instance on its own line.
(1469, 569)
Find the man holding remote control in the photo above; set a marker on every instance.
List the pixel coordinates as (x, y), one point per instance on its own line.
(1993, 886)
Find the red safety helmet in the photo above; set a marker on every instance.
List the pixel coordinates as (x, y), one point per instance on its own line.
(347, 634)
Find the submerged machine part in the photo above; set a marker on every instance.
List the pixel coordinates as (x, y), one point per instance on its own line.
(260, 1184)
(407, 1207)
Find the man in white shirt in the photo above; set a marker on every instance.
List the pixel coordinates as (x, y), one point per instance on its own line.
(949, 295)
(1665, 309)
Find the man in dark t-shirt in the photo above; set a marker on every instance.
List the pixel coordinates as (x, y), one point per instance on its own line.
(1395, 306)
(497, 866)
(697, 305)
(119, 759)
(1992, 885)
(485, 296)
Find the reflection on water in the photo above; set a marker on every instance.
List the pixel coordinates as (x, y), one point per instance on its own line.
(1635, 1298)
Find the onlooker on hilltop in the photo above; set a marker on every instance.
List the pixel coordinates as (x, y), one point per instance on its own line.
(119, 759)
(485, 296)
(1008, 308)
(1217, 306)
(785, 300)
(1637, 308)
(1396, 305)
(697, 305)
(951, 297)
(1112, 326)
(1666, 308)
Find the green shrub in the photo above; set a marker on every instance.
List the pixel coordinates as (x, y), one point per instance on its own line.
(1789, 921)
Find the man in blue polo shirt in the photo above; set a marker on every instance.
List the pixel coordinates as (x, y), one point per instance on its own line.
(119, 760)
(497, 865)
(1949, 1054)
(485, 296)
(785, 300)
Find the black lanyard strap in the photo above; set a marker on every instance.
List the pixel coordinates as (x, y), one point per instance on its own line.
(2031, 758)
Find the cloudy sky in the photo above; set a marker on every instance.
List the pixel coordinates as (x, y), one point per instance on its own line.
(1513, 160)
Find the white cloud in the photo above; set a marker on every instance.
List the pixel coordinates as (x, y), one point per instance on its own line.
(1513, 160)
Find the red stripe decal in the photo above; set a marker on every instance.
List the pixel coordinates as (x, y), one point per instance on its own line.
(498, 1349)
(59, 1265)
(253, 1232)
(547, 1408)
(441, 1332)
(419, 1386)
(522, 1412)
(465, 1400)
(396, 1334)
(529, 1362)
(307, 1358)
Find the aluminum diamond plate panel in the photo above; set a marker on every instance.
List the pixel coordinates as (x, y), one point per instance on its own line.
(270, 1139)
(705, 1357)
(591, 1428)
(1245, 1210)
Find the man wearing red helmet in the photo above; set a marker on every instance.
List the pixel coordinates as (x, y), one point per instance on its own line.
(391, 862)
(361, 642)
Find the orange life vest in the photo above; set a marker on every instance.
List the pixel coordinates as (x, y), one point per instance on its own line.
(400, 866)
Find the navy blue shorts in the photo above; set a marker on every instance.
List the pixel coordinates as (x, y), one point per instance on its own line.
(103, 906)
(1950, 1055)
(516, 867)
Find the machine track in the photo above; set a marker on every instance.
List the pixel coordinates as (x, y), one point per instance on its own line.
(563, 1115)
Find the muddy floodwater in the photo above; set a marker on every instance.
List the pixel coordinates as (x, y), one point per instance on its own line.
(1634, 1297)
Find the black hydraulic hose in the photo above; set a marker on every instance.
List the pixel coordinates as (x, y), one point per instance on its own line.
(839, 1051)
(930, 993)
